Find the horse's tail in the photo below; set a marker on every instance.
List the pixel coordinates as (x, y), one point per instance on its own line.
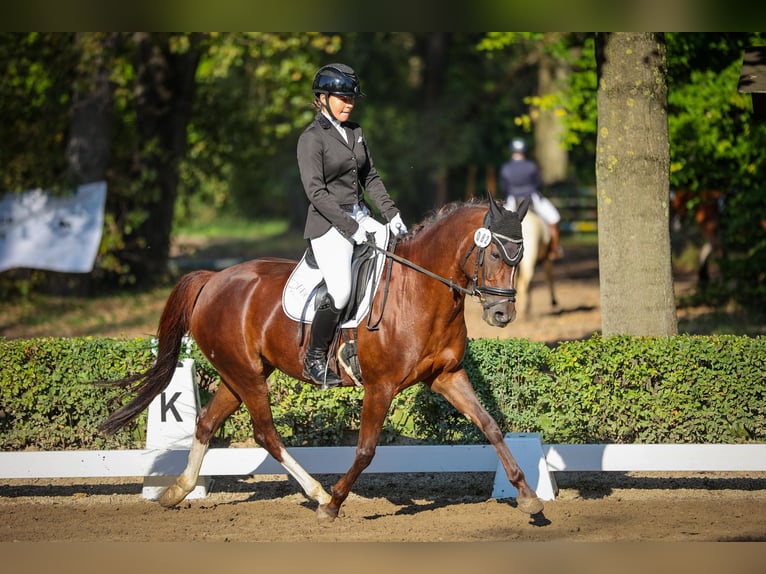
(174, 324)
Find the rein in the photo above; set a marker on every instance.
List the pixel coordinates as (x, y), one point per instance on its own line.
(478, 291)
(416, 267)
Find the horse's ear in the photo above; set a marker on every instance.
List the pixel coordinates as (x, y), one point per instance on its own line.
(494, 208)
(523, 207)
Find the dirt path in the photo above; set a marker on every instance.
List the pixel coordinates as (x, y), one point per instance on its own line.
(394, 508)
(577, 314)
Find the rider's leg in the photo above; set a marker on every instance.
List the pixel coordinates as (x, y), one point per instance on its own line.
(315, 365)
(333, 254)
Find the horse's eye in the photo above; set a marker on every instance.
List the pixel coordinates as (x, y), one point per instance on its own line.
(494, 254)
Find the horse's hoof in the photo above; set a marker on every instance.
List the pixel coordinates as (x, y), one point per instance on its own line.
(324, 498)
(530, 505)
(171, 496)
(325, 514)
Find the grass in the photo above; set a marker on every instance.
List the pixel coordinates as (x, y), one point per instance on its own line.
(229, 236)
(230, 227)
(131, 313)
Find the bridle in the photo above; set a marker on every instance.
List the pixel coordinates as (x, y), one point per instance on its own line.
(483, 237)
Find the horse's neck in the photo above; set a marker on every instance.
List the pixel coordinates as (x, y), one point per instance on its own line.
(440, 249)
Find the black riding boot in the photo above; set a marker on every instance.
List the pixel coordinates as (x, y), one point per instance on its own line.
(322, 333)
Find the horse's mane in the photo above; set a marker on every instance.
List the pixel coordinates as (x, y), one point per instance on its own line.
(440, 213)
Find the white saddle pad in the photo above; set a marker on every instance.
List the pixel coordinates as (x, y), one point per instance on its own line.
(304, 279)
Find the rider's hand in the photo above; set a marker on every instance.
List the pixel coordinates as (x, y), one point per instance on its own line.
(359, 236)
(396, 225)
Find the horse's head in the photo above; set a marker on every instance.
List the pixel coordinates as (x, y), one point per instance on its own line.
(500, 249)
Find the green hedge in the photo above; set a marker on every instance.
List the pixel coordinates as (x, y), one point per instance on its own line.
(685, 389)
(44, 403)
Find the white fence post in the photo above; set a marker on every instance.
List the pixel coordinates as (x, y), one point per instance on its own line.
(527, 449)
(170, 425)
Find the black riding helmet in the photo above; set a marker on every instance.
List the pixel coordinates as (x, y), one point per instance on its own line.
(338, 80)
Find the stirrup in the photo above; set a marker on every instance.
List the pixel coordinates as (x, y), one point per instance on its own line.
(321, 374)
(349, 360)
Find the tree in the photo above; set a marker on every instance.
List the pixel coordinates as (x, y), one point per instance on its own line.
(718, 151)
(90, 131)
(550, 56)
(165, 72)
(34, 102)
(632, 178)
(89, 140)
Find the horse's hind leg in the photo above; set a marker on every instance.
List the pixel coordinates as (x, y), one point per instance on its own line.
(457, 389)
(223, 404)
(256, 399)
(549, 277)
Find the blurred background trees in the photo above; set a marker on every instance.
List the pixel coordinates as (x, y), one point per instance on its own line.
(183, 126)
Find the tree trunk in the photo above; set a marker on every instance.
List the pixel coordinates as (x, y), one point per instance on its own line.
(165, 90)
(552, 74)
(90, 133)
(632, 178)
(89, 140)
(434, 52)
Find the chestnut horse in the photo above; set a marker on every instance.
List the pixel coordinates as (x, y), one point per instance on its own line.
(236, 319)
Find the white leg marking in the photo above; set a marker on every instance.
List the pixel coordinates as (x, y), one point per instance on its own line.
(185, 483)
(188, 478)
(310, 486)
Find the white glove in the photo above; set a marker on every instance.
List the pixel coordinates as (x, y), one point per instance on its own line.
(396, 225)
(359, 236)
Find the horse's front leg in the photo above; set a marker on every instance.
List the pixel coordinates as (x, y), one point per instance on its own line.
(457, 389)
(374, 409)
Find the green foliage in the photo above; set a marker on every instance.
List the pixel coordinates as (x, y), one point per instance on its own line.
(253, 96)
(744, 266)
(45, 403)
(681, 389)
(685, 389)
(717, 145)
(304, 415)
(462, 92)
(505, 374)
(35, 84)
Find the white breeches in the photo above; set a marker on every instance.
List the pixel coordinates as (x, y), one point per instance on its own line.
(542, 206)
(333, 254)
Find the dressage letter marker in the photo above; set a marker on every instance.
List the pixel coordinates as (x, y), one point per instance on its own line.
(171, 425)
(169, 406)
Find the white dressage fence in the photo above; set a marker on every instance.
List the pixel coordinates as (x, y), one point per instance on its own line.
(171, 425)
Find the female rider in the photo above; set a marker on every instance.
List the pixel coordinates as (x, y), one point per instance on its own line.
(336, 168)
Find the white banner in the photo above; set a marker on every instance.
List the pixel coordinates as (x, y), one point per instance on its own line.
(43, 231)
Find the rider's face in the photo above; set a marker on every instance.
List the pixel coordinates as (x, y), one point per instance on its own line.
(341, 106)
